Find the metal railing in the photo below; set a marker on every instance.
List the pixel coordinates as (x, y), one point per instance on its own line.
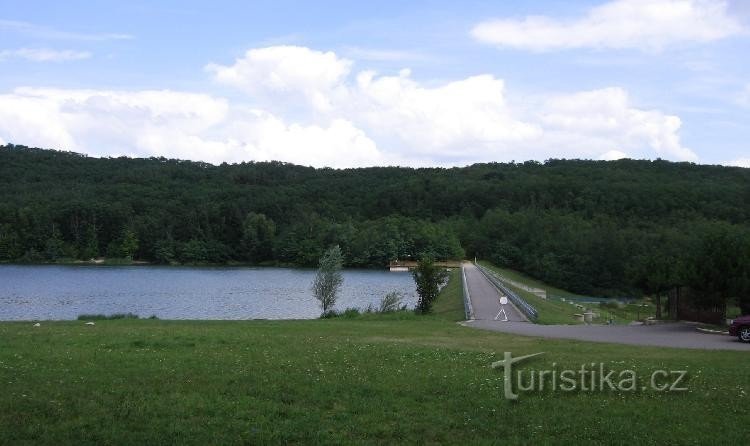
(520, 303)
(468, 310)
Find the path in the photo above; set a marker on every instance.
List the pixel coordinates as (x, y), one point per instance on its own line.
(485, 297)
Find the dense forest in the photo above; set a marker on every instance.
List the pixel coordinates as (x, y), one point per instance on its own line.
(593, 227)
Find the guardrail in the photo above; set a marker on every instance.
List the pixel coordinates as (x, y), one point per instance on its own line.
(468, 310)
(520, 303)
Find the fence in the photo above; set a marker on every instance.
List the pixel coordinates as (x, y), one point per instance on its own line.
(468, 310)
(520, 303)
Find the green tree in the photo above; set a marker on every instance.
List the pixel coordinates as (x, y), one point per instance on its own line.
(656, 276)
(9, 244)
(129, 244)
(328, 279)
(55, 246)
(428, 278)
(193, 251)
(164, 251)
(258, 232)
(717, 268)
(90, 246)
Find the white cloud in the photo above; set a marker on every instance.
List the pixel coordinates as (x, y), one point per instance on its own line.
(740, 162)
(44, 55)
(174, 124)
(345, 120)
(461, 121)
(613, 155)
(338, 144)
(604, 119)
(462, 116)
(640, 24)
(280, 71)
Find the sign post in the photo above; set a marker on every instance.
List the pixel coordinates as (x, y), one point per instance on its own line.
(503, 303)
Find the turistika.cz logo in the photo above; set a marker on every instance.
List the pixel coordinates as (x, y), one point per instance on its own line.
(591, 377)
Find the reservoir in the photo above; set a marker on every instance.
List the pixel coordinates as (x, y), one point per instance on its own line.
(53, 292)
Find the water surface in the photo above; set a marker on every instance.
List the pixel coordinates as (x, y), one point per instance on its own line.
(44, 292)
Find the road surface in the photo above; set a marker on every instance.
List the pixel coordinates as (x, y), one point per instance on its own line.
(676, 334)
(485, 300)
(485, 297)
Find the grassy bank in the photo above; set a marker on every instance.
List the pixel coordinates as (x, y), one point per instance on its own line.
(449, 305)
(394, 378)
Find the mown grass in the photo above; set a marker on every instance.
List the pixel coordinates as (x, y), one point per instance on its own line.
(395, 378)
(339, 381)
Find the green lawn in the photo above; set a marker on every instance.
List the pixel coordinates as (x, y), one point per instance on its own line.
(398, 379)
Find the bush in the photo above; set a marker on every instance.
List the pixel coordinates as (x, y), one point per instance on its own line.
(390, 302)
(330, 314)
(350, 313)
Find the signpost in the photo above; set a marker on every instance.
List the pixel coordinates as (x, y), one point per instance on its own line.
(503, 303)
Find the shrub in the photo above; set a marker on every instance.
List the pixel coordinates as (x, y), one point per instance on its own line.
(390, 302)
(350, 313)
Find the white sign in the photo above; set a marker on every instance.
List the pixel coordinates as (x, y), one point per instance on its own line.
(503, 303)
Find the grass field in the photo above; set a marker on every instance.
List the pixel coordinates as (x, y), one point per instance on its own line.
(374, 379)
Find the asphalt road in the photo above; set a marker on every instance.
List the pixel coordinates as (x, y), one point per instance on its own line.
(678, 335)
(485, 298)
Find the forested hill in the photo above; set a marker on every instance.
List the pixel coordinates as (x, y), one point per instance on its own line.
(591, 226)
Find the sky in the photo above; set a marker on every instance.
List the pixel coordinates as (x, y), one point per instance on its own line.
(350, 84)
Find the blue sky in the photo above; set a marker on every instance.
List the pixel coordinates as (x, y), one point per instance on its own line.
(351, 83)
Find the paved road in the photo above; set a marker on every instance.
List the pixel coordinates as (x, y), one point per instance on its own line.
(485, 302)
(485, 297)
(678, 335)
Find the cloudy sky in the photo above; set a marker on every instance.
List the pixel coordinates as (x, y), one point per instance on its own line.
(343, 83)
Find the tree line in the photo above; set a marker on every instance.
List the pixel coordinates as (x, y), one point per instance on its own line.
(594, 227)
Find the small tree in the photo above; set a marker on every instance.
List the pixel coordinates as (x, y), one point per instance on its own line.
(328, 280)
(428, 278)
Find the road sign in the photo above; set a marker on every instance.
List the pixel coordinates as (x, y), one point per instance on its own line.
(503, 303)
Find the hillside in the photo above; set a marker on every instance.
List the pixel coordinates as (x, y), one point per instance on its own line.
(587, 226)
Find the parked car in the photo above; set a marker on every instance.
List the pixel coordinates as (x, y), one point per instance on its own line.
(741, 328)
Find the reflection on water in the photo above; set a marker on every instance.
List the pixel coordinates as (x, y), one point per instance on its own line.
(42, 292)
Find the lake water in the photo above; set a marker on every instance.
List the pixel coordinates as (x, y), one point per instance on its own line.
(42, 292)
